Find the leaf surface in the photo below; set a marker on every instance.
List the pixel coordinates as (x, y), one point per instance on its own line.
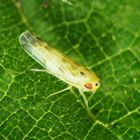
(103, 36)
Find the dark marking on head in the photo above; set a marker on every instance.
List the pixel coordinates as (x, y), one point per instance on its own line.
(82, 73)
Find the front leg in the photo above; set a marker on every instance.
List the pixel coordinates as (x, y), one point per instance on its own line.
(39, 70)
(84, 98)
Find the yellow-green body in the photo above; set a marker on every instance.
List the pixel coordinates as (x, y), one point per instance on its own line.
(58, 64)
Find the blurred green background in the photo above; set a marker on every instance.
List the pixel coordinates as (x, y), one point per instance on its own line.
(101, 35)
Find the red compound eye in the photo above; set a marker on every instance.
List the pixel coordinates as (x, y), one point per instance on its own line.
(89, 86)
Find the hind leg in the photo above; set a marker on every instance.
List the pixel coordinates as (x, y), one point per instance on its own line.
(60, 91)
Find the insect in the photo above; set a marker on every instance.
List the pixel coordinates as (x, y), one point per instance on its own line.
(59, 65)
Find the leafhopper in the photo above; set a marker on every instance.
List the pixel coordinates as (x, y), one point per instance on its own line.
(59, 65)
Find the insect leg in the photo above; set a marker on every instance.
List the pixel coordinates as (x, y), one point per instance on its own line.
(38, 70)
(85, 100)
(67, 1)
(90, 97)
(55, 93)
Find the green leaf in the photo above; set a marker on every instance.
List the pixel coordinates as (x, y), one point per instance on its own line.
(103, 36)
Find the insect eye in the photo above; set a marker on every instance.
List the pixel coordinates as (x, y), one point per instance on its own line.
(89, 86)
(97, 84)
